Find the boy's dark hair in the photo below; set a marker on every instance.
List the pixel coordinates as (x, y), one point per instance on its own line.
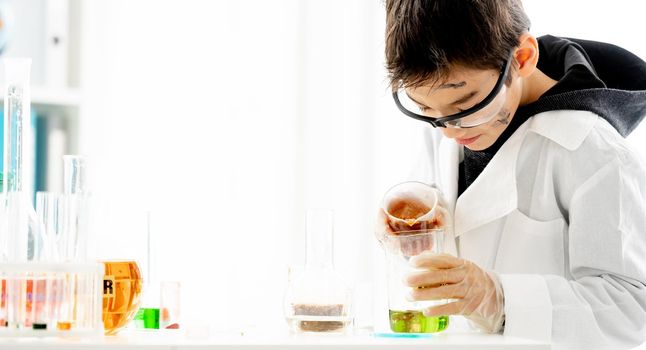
(425, 38)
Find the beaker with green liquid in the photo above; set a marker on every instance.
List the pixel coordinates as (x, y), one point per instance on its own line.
(407, 316)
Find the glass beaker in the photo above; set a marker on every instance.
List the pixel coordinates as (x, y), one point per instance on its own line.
(317, 299)
(413, 206)
(415, 220)
(407, 316)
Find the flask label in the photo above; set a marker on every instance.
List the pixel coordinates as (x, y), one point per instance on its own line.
(108, 286)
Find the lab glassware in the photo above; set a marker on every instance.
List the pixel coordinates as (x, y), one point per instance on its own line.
(407, 316)
(122, 286)
(50, 211)
(75, 174)
(20, 225)
(18, 141)
(416, 220)
(64, 220)
(317, 299)
(78, 204)
(40, 296)
(169, 296)
(41, 299)
(413, 206)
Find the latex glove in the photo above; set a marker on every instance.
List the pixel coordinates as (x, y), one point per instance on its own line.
(478, 293)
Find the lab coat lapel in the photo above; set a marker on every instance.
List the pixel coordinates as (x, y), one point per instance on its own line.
(448, 166)
(448, 159)
(493, 194)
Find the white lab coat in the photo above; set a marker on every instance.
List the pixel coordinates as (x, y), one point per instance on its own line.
(560, 214)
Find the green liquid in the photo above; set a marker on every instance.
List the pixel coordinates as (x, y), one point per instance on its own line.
(147, 318)
(413, 321)
(151, 318)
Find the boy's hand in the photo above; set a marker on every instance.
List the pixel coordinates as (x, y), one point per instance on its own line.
(478, 292)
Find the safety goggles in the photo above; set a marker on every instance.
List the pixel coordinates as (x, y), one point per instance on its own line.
(482, 113)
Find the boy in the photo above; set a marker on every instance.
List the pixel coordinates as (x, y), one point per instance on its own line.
(526, 143)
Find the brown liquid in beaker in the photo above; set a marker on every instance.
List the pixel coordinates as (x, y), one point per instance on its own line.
(409, 209)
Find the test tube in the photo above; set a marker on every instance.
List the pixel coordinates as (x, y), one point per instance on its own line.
(77, 204)
(53, 295)
(17, 300)
(75, 174)
(48, 210)
(18, 167)
(39, 292)
(3, 300)
(170, 304)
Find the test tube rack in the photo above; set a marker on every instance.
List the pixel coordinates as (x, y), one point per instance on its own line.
(51, 299)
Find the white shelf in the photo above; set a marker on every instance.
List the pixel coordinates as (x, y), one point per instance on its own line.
(58, 97)
(53, 97)
(139, 340)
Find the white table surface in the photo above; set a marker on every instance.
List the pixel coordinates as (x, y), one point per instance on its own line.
(177, 340)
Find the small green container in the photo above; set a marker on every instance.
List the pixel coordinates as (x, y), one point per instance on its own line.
(414, 321)
(147, 318)
(151, 318)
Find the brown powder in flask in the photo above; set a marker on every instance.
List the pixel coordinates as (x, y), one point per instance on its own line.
(330, 310)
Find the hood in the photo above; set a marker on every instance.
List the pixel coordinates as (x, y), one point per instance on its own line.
(610, 81)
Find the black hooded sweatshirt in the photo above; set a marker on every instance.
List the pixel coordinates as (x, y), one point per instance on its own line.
(591, 76)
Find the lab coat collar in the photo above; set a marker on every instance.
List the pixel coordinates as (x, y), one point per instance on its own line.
(494, 192)
(567, 128)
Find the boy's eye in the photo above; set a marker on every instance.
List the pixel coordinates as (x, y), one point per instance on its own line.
(423, 109)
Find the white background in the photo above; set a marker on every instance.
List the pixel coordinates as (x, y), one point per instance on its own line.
(226, 120)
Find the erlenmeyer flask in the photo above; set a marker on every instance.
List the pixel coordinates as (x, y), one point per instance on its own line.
(317, 299)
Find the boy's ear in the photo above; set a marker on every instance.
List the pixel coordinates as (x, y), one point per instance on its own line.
(526, 55)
